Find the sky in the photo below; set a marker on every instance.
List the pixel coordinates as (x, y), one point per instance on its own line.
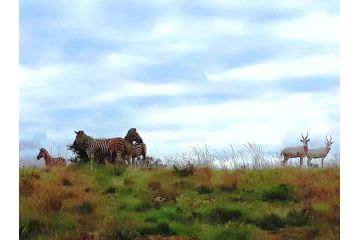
(184, 74)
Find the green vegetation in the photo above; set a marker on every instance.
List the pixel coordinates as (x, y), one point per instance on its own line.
(110, 202)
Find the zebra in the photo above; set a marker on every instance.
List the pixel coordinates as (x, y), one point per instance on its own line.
(50, 161)
(93, 146)
(138, 150)
(108, 146)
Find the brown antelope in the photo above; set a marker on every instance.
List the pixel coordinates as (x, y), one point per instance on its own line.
(319, 152)
(50, 161)
(294, 152)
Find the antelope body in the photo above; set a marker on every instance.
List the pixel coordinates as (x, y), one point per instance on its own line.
(295, 152)
(319, 152)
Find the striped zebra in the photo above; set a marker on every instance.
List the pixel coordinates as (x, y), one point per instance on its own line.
(50, 161)
(139, 149)
(114, 147)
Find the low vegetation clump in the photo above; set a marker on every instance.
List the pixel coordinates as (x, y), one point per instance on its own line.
(281, 192)
(111, 202)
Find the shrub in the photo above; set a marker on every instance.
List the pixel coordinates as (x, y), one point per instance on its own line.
(223, 215)
(110, 190)
(271, 222)
(282, 192)
(204, 189)
(31, 228)
(184, 171)
(86, 208)
(295, 218)
(159, 229)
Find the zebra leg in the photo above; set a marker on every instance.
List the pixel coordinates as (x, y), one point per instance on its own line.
(92, 157)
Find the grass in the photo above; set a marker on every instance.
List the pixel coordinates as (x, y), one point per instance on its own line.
(111, 202)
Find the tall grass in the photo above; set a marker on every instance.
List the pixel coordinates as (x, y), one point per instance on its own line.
(247, 156)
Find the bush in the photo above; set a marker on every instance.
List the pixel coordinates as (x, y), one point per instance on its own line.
(223, 215)
(31, 228)
(204, 189)
(297, 218)
(271, 222)
(86, 208)
(159, 229)
(282, 192)
(184, 171)
(110, 190)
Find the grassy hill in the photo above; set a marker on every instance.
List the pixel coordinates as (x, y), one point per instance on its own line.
(109, 202)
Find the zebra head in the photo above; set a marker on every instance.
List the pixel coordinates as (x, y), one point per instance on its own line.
(81, 138)
(41, 154)
(132, 135)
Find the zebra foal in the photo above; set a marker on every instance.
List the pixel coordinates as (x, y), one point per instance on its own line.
(50, 161)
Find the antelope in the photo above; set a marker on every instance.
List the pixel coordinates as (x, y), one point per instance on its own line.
(294, 152)
(319, 152)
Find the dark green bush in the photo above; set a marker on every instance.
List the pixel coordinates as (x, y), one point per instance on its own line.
(110, 190)
(282, 192)
(204, 189)
(159, 229)
(271, 222)
(86, 207)
(31, 228)
(295, 218)
(223, 215)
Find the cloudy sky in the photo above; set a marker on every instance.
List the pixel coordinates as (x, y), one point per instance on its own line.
(183, 73)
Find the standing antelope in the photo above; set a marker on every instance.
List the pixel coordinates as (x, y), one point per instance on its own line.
(50, 161)
(319, 152)
(294, 152)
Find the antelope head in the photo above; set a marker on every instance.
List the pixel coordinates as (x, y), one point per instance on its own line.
(305, 141)
(329, 142)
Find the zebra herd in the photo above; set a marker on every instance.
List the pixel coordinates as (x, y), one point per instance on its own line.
(130, 148)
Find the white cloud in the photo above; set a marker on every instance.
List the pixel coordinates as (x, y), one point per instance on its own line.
(315, 27)
(124, 60)
(266, 120)
(315, 65)
(136, 89)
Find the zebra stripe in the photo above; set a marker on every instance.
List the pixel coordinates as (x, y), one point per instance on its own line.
(138, 150)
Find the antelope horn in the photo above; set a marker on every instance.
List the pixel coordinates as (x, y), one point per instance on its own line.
(307, 135)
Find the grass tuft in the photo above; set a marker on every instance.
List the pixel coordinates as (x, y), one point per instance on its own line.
(281, 192)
